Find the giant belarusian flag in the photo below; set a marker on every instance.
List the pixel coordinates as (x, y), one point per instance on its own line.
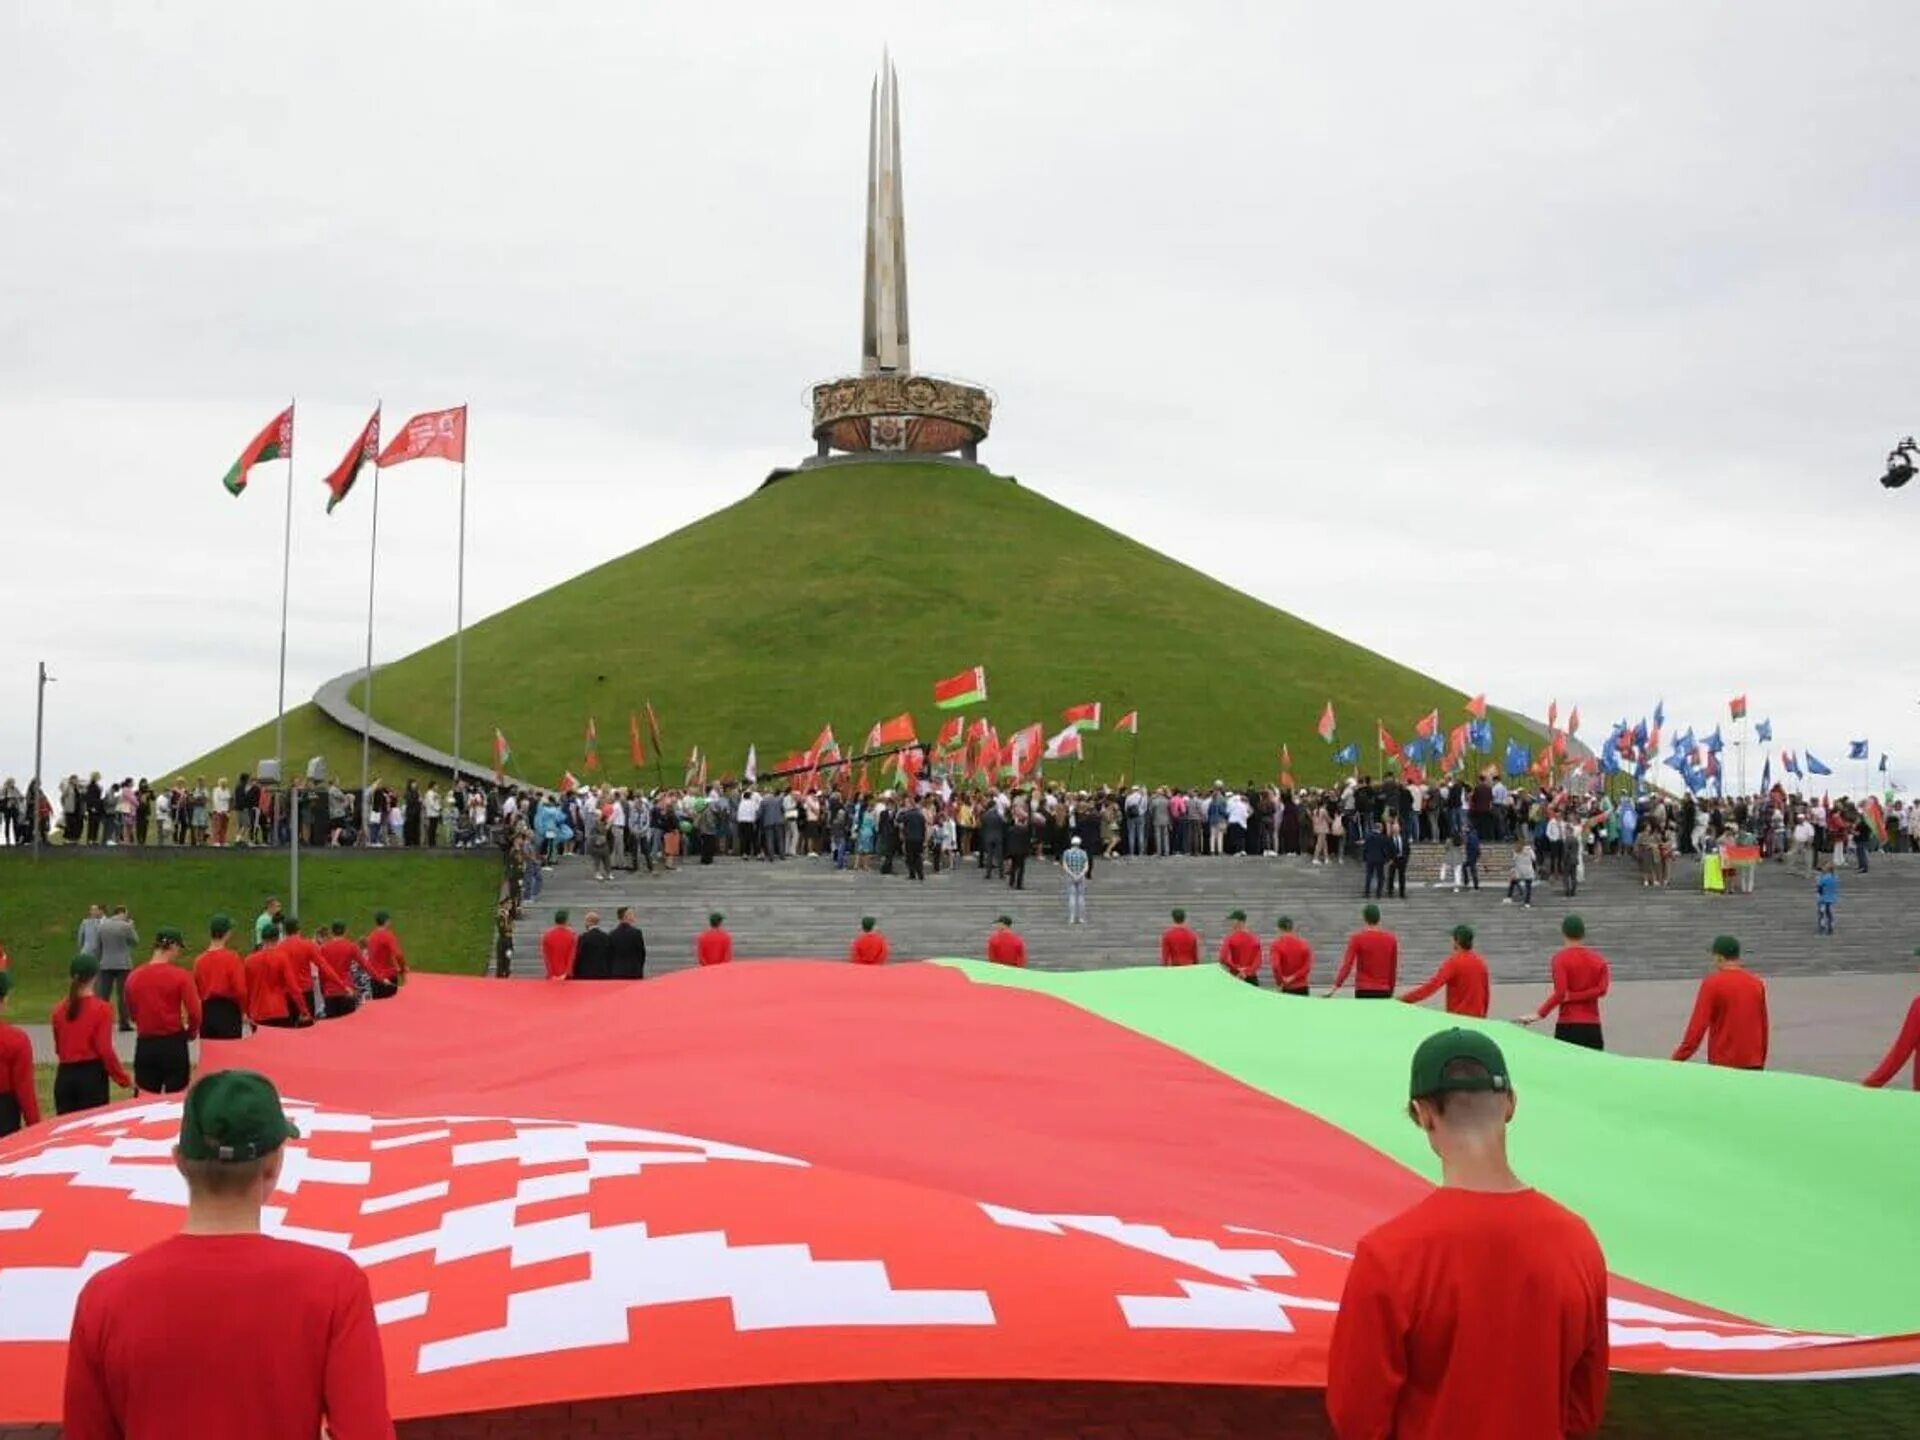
(274, 442)
(957, 692)
(767, 1173)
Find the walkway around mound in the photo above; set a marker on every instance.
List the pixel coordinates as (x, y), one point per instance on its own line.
(333, 700)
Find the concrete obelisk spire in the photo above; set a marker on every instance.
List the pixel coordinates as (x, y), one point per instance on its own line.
(884, 348)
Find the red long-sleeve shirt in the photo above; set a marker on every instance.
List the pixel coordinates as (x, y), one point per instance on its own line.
(1730, 1014)
(1179, 946)
(557, 947)
(1474, 1314)
(273, 990)
(162, 1000)
(869, 948)
(219, 971)
(1580, 978)
(1906, 1045)
(16, 1072)
(386, 961)
(1464, 973)
(303, 959)
(88, 1036)
(1375, 954)
(1240, 952)
(142, 1364)
(338, 956)
(1006, 948)
(714, 947)
(1292, 961)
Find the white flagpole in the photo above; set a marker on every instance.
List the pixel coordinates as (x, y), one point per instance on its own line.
(460, 596)
(366, 700)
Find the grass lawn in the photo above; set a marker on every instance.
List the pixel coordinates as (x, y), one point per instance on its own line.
(843, 595)
(309, 733)
(442, 903)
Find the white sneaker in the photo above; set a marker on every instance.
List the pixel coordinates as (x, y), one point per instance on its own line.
(1507, 901)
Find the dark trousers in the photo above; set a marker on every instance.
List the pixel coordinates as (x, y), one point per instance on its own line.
(1016, 872)
(1516, 887)
(993, 856)
(383, 989)
(334, 1006)
(11, 1118)
(105, 984)
(79, 1085)
(1373, 994)
(916, 861)
(1295, 990)
(1397, 877)
(1582, 1032)
(708, 844)
(161, 1065)
(433, 831)
(220, 1019)
(1470, 873)
(1376, 881)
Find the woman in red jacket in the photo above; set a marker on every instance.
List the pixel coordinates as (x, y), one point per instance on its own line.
(83, 1043)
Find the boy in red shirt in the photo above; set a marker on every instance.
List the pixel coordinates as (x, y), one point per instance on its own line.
(1375, 954)
(1240, 949)
(1906, 1045)
(19, 1104)
(166, 1015)
(1482, 1311)
(1464, 973)
(274, 996)
(386, 961)
(301, 1317)
(1292, 960)
(557, 947)
(1580, 978)
(1730, 1013)
(221, 978)
(338, 955)
(1178, 944)
(715, 945)
(1004, 947)
(869, 946)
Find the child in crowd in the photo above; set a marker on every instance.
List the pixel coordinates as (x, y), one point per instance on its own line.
(1470, 871)
(1520, 878)
(1453, 861)
(1826, 890)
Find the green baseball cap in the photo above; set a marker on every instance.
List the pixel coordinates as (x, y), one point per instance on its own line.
(866, 922)
(83, 967)
(167, 935)
(1463, 936)
(1726, 947)
(233, 1115)
(219, 925)
(1006, 920)
(1371, 914)
(1237, 915)
(1285, 922)
(1574, 928)
(1442, 1048)
(715, 919)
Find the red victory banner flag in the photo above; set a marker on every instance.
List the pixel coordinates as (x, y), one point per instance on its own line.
(969, 687)
(502, 753)
(635, 750)
(950, 732)
(592, 738)
(1129, 724)
(436, 435)
(1738, 705)
(1326, 723)
(1428, 725)
(1083, 717)
(340, 479)
(275, 442)
(1477, 707)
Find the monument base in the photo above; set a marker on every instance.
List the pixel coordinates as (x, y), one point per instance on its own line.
(878, 457)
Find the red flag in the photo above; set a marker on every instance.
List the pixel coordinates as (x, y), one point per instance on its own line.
(567, 783)
(1129, 724)
(1456, 744)
(897, 731)
(866, 780)
(1083, 717)
(1428, 725)
(1326, 723)
(653, 729)
(822, 743)
(1477, 707)
(1413, 774)
(502, 753)
(1559, 743)
(950, 732)
(956, 692)
(1738, 705)
(1387, 742)
(438, 434)
(275, 442)
(1553, 713)
(1573, 721)
(339, 480)
(1066, 745)
(634, 748)
(592, 761)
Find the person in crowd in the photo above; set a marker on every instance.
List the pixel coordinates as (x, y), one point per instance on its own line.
(1729, 1013)
(1520, 875)
(1240, 949)
(1179, 945)
(1292, 960)
(627, 947)
(220, 978)
(1905, 1047)
(715, 944)
(503, 917)
(869, 946)
(1076, 865)
(1581, 977)
(19, 1101)
(117, 940)
(386, 960)
(1019, 847)
(1463, 975)
(303, 959)
(83, 1044)
(275, 996)
(1372, 958)
(1004, 945)
(166, 1018)
(86, 940)
(279, 1336)
(593, 952)
(1376, 852)
(267, 922)
(340, 956)
(1398, 852)
(1481, 1311)
(558, 944)
(912, 829)
(1826, 894)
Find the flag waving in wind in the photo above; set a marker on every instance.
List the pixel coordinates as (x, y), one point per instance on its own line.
(1857, 750)
(1763, 732)
(1326, 723)
(1817, 766)
(1128, 724)
(436, 435)
(635, 750)
(502, 753)
(1738, 707)
(1347, 754)
(340, 479)
(1477, 707)
(969, 687)
(1083, 717)
(275, 442)
(591, 762)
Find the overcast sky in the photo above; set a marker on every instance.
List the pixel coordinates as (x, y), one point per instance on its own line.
(1551, 349)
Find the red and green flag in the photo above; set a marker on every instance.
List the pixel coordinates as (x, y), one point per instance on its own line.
(362, 453)
(635, 750)
(502, 753)
(1477, 707)
(1876, 818)
(592, 747)
(1325, 727)
(1083, 717)
(274, 442)
(969, 687)
(1738, 705)
(1128, 724)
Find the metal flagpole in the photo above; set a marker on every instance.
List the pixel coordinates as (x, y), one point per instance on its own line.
(460, 596)
(286, 581)
(366, 702)
(39, 738)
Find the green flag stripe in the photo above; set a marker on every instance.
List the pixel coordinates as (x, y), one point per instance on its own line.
(236, 478)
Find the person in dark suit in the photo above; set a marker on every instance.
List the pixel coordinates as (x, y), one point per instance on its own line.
(628, 947)
(1377, 852)
(993, 840)
(913, 840)
(1019, 847)
(593, 958)
(1398, 855)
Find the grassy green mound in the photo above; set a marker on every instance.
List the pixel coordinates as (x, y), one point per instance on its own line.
(442, 904)
(842, 595)
(309, 733)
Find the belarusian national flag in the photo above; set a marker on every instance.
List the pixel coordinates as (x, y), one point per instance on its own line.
(568, 784)
(950, 732)
(635, 750)
(1386, 741)
(694, 764)
(1128, 724)
(340, 479)
(692, 1222)
(1738, 705)
(1428, 725)
(1066, 745)
(897, 731)
(1325, 728)
(1477, 707)
(438, 434)
(275, 442)
(592, 761)
(1083, 717)
(969, 687)
(502, 753)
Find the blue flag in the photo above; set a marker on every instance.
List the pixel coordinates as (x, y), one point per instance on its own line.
(1763, 732)
(1659, 713)
(1684, 741)
(1713, 742)
(1766, 775)
(1518, 758)
(1640, 734)
(1480, 736)
(1817, 766)
(1348, 754)
(1610, 760)
(1883, 762)
(1857, 750)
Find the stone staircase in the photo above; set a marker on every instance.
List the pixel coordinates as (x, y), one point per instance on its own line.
(803, 907)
